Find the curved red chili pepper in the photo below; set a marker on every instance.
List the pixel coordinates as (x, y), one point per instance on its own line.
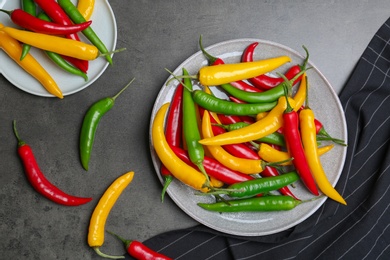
(39, 181)
(58, 15)
(245, 86)
(173, 131)
(295, 148)
(32, 23)
(214, 168)
(266, 82)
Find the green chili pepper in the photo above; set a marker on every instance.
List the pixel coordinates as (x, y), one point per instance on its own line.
(274, 138)
(56, 58)
(261, 97)
(29, 7)
(90, 124)
(267, 203)
(257, 186)
(226, 107)
(74, 14)
(191, 129)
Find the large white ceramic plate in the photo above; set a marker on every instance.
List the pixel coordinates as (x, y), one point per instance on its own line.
(324, 102)
(103, 23)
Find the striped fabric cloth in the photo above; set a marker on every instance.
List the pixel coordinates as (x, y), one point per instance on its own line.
(360, 230)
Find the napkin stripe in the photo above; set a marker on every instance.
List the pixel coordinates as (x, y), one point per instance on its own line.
(359, 230)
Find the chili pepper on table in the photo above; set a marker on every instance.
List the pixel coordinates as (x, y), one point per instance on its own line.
(75, 15)
(55, 44)
(267, 82)
(86, 8)
(173, 131)
(59, 60)
(295, 148)
(179, 169)
(90, 123)
(32, 23)
(140, 251)
(29, 63)
(102, 210)
(309, 141)
(55, 12)
(38, 180)
(259, 185)
(191, 129)
(268, 125)
(29, 7)
(256, 204)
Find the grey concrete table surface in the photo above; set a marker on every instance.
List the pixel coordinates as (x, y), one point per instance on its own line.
(157, 35)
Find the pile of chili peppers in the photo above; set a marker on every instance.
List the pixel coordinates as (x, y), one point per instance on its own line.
(246, 150)
(53, 27)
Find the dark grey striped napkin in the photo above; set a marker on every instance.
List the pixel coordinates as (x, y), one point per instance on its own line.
(360, 230)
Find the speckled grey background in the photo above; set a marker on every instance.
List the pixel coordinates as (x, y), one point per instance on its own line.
(157, 35)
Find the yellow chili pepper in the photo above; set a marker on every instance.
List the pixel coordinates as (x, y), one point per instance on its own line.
(300, 95)
(60, 45)
(247, 166)
(309, 140)
(225, 73)
(102, 210)
(270, 154)
(269, 124)
(179, 169)
(29, 64)
(86, 7)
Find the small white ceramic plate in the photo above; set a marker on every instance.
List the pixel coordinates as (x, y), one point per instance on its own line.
(324, 102)
(103, 23)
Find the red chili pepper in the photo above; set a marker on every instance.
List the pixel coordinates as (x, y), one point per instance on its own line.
(295, 148)
(140, 251)
(80, 64)
(58, 15)
(173, 131)
(214, 168)
(245, 86)
(39, 181)
(32, 23)
(266, 82)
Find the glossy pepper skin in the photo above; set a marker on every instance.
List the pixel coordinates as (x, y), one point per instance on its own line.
(56, 14)
(140, 251)
(179, 169)
(271, 123)
(226, 73)
(264, 81)
(90, 123)
(55, 44)
(102, 210)
(295, 148)
(29, 7)
(256, 204)
(32, 23)
(86, 8)
(75, 15)
(14, 50)
(38, 180)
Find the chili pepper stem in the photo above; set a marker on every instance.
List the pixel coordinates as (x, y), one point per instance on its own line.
(20, 142)
(126, 242)
(168, 181)
(123, 89)
(203, 171)
(179, 79)
(100, 253)
(6, 11)
(111, 52)
(211, 58)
